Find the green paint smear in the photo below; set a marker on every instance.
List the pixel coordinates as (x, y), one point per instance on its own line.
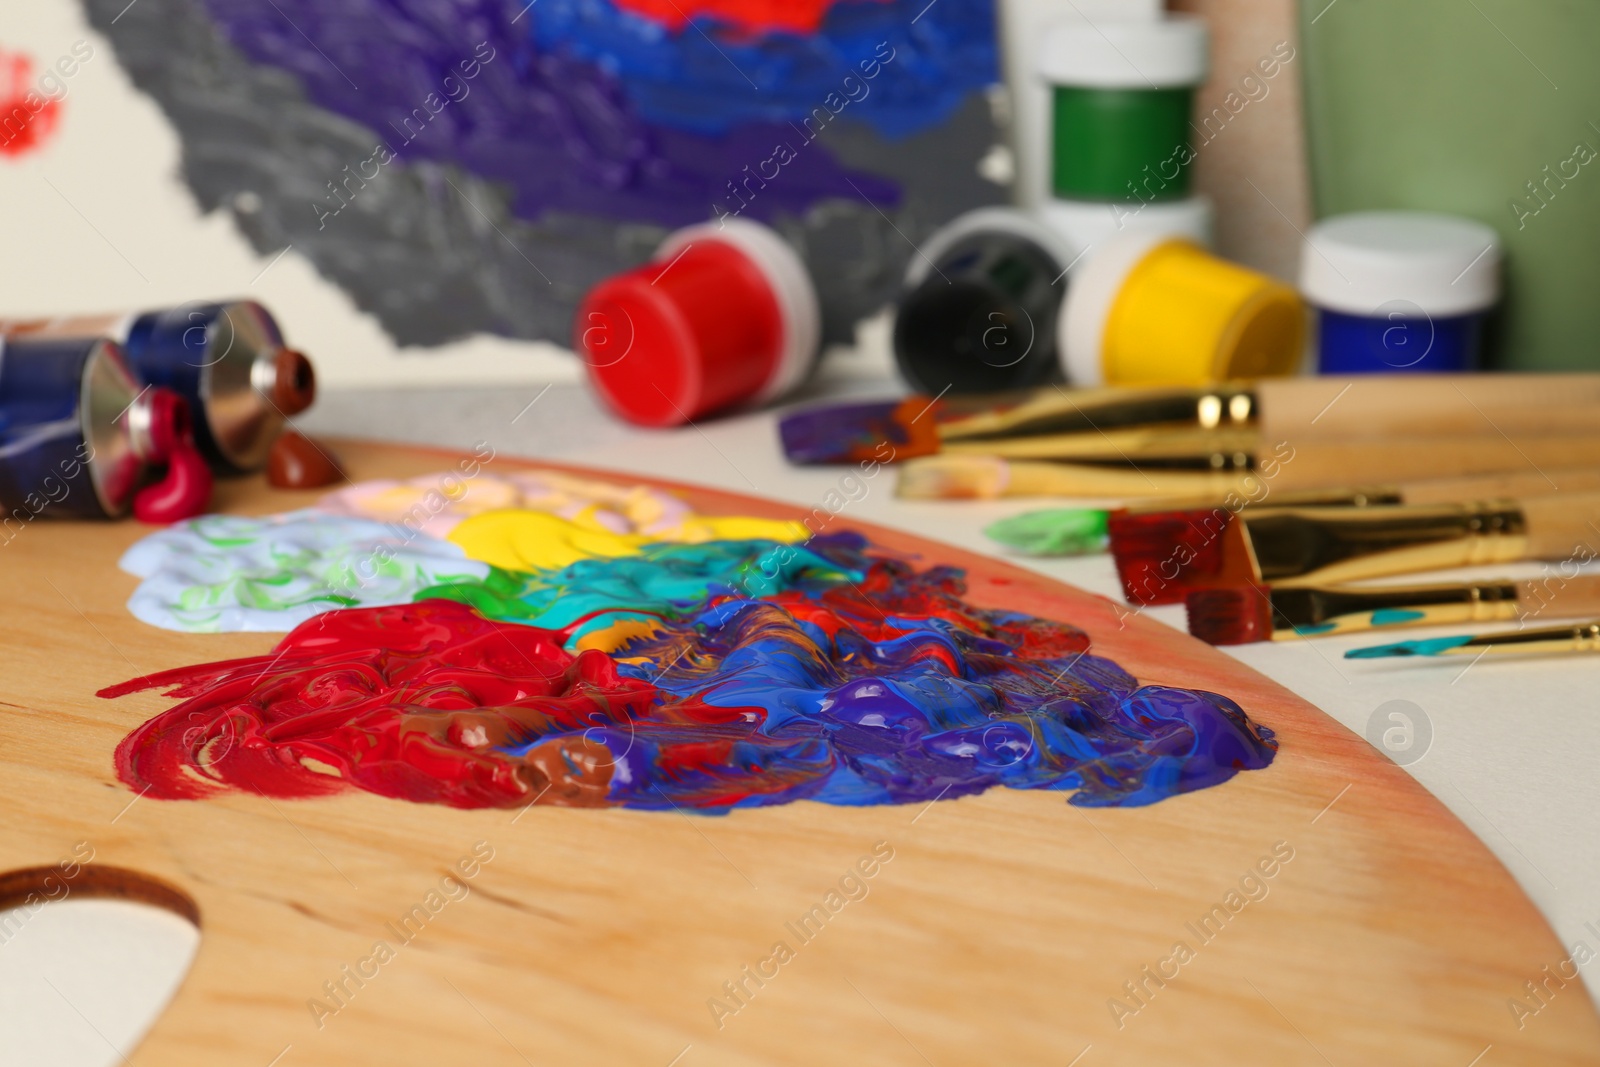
(1053, 532)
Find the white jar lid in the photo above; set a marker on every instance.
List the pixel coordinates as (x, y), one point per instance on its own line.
(1368, 261)
(1085, 225)
(1169, 53)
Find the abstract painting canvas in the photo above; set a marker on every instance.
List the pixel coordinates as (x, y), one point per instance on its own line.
(473, 166)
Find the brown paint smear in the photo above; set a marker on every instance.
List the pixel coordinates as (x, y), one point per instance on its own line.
(297, 462)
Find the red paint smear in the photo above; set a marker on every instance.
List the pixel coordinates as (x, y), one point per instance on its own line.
(23, 129)
(861, 607)
(751, 16)
(406, 702)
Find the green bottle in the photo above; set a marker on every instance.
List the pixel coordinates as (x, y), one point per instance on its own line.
(1483, 108)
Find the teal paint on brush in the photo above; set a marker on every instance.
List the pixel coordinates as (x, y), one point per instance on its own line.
(1435, 646)
(1312, 629)
(1395, 616)
(1053, 532)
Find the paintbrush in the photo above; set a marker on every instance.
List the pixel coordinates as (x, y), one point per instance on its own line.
(1243, 614)
(1581, 637)
(1086, 531)
(1165, 472)
(921, 425)
(1166, 548)
(959, 477)
(1285, 409)
(1303, 409)
(1308, 546)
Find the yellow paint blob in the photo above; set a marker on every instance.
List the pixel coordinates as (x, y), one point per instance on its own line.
(518, 539)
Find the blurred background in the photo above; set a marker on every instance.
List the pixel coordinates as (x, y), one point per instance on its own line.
(207, 150)
(424, 192)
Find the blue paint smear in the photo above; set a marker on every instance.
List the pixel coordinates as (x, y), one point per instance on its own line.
(892, 690)
(709, 79)
(580, 108)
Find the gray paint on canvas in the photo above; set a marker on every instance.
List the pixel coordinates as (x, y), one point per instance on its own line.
(432, 251)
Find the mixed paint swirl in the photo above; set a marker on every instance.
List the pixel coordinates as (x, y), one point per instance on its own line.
(680, 670)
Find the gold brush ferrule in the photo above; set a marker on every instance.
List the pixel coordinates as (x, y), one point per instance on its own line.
(1305, 546)
(1060, 411)
(1125, 445)
(1317, 611)
(1584, 637)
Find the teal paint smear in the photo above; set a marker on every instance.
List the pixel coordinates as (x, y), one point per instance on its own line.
(1053, 532)
(1433, 646)
(1313, 629)
(1396, 616)
(666, 581)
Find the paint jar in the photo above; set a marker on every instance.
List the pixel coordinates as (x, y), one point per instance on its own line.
(227, 359)
(1400, 290)
(79, 432)
(1154, 310)
(979, 308)
(1484, 110)
(1123, 91)
(724, 316)
(1022, 26)
(1085, 225)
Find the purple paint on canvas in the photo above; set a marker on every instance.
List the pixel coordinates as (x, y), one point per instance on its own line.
(633, 130)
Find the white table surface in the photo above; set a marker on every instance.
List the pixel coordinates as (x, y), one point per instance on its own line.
(1514, 744)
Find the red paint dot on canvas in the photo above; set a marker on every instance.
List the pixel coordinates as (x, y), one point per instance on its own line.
(27, 117)
(751, 16)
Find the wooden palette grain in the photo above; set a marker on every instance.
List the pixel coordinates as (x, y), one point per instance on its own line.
(1000, 931)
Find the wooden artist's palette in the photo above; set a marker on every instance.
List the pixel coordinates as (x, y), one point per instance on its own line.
(1000, 932)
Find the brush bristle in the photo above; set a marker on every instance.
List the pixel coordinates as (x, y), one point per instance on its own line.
(1161, 554)
(1230, 615)
(881, 431)
(953, 478)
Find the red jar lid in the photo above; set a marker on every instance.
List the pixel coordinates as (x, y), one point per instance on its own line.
(724, 315)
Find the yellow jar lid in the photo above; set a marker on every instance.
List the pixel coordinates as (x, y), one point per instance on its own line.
(1155, 310)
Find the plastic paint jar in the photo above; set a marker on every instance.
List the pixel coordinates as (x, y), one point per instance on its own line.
(979, 308)
(1481, 110)
(1153, 310)
(1123, 92)
(1085, 225)
(725, 315)
(1400, 290)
